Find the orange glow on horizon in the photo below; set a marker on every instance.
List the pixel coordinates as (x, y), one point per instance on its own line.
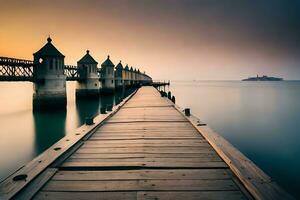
(163, 45)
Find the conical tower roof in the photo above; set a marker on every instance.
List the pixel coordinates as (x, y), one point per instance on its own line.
(131, 69)
(108, 62)
(119, 65)
(87, 59)
(48, 50)
(127, 68)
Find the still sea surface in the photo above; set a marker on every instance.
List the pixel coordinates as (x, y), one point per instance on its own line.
(261, 119)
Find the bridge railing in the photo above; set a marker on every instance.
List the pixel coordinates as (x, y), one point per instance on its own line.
(71, 73)
(12, 69)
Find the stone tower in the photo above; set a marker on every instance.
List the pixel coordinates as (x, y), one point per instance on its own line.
(49, 78)
(107, 76)
(119, 76)
(127, 75)
(131, 75)
(88, 84)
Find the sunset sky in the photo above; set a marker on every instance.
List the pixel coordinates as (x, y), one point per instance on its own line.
(169, 39)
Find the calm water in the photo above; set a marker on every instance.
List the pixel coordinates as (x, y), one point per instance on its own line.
(260, 118)
(24, 134)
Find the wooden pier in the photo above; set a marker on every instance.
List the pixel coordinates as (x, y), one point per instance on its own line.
(146, 148)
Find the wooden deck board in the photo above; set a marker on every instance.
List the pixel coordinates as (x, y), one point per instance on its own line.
(138, 185)
(150, 147)
(143, 195)
(146, 150)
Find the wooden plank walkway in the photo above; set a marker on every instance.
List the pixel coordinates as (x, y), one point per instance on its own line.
(147, 150)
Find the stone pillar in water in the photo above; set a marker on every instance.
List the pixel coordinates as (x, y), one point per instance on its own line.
(49, 78)
(139, 77)
(127, 76)
(88, 84)
(135, 77)
(108, 76)
(131, 74)
(119, 76)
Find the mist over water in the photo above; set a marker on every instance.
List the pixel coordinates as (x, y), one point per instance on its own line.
(261, 119)
(24, 134)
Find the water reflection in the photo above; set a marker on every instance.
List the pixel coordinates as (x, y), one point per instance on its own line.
(25, 134)
(107, 100)
(49, 127)
(261, 119)
(87, 108)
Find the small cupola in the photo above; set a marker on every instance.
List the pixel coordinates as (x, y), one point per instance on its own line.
(87, 59)
(119, 66)
(48, 50)
(107, 63)
(127, 68)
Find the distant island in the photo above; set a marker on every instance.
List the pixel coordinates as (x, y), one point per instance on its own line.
(263, 78)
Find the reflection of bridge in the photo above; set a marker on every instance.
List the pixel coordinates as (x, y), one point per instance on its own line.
(49, 74)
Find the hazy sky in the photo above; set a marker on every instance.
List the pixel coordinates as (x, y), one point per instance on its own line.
(169, 39)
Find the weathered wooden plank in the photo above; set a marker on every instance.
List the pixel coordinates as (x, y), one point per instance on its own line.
(134, 145)
(216, 195)
(148, 125)
(123, 164)
(85, 195)
(143, 155)
(169, 174)
(147, 159)
(9, 187)
(145, 150)
(141, 137)
(148, 142)
(29, 191)
(259, 184)
(167, 156)
(146, 135)
(134, 185)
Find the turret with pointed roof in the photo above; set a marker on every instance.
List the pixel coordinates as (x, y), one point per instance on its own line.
(119, 65)
(89, 83)
(126, 75)
(50, 80)
(138, 74)
(131, 75)
(87, 59)
(108, 75)
(119, 76)
(108, 62)
(119, 69)
(126, 67)
(48, 50)
(87, 66)
(48, 60)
